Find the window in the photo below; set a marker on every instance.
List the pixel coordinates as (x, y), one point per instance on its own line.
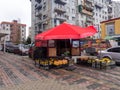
(73, 11)
(73, 18)
(117, 50)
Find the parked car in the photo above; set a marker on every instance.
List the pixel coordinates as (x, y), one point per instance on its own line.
(112, 53)
(23, 49)
(10, 48)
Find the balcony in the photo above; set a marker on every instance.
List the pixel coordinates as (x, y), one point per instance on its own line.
(62, 2)
(60, 9)
(91, 1)
(110, 16)
(3, 33)
(88, 7)
(38, 21)
(89, 19)
(38, 1)
(60, 17)
(85, 10)
(38, 13)
(98, 5)
(38, 7)
(109, 10)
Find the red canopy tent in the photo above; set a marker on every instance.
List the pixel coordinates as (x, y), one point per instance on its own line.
(66, 31)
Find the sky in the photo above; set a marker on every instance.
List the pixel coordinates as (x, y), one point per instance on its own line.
(16, 10)
(115, 0)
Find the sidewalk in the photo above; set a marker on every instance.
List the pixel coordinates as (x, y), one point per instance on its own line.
(20, 73)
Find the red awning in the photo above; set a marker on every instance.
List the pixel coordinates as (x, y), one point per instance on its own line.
(66, 31)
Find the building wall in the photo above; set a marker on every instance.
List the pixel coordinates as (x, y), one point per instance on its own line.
(116, 24)
(29, 32)
(64, 13)
(116, 9)
(99, 14)
(17, 31)
(33, 19)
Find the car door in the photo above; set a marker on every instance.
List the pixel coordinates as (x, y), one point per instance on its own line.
(115, 53)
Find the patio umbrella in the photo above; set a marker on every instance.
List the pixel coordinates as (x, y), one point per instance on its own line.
(66, 31)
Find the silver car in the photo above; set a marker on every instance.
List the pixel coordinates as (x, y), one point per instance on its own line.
(112, 53)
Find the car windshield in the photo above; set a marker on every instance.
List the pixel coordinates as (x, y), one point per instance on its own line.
(26, 46)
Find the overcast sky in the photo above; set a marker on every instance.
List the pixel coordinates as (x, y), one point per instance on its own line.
(16, 10)
(116, 0)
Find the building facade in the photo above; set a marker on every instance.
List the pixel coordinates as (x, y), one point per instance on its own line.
(116, 9)
(85, 12)
(29, 32)
(50, 13)
(110, 27)
(17, 31)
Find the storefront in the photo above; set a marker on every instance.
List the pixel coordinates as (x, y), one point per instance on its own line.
(61, 41)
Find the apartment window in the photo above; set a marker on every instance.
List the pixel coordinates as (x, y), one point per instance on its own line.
(73, 18)
(96, 14)
(3, 27)
(44, 8)
(73, 3)
(44, 16)
(67, 17)
(105, 18)
(68, 9)
(35, 5)
(102, 1)
(73, 11)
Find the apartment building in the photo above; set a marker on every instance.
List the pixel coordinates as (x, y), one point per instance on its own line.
(116, 9)
(6, 32)
(16, 31)
(29, 32)
(85, 12)
(50, 13)
(100, 14)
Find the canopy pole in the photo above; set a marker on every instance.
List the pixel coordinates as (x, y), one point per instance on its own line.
(4, 44)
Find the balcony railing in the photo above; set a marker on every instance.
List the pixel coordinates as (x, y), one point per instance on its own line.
(38, 1)
(89, 19)
(63, 2)
(38, 13)
(4, 31)
(38, 7)
(85, 10)
(60, 9)
(89, 7)
(62, 17)
(90, 1)
(99, 5)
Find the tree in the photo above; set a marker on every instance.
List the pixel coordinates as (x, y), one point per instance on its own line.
(28, 41)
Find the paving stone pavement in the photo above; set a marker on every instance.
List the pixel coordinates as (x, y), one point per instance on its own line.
(19, 73)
